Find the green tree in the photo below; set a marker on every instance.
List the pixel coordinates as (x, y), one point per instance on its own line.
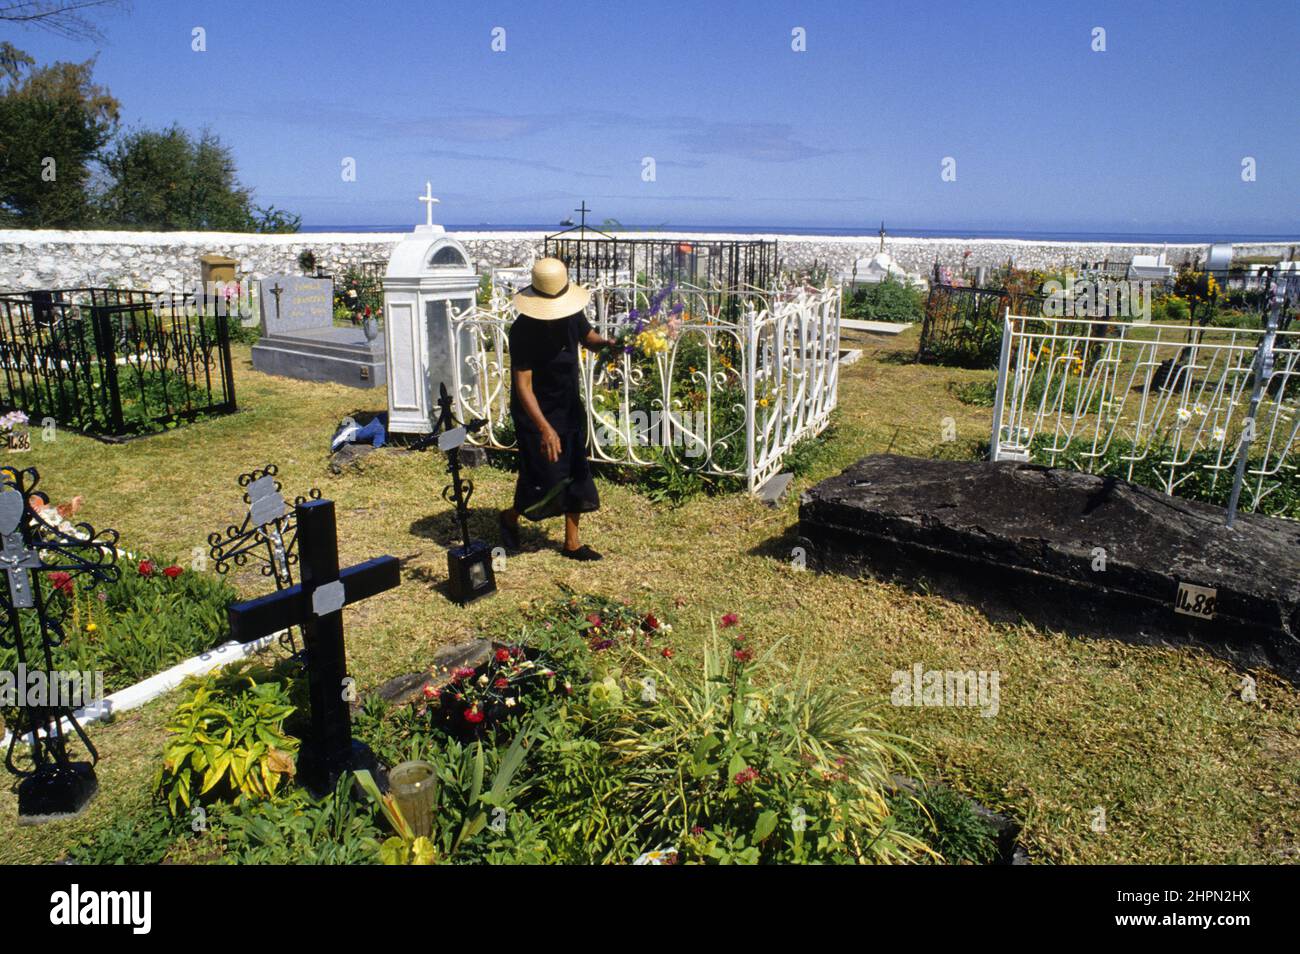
(53, 122)
(168, 179)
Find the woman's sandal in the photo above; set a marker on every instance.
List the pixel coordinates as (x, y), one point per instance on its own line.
(584, 553)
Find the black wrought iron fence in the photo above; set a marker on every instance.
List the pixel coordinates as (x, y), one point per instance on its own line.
(113, 362)
(963, 326)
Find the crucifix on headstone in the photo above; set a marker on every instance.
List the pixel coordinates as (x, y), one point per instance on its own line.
(316, 604)
(57, 786)
(428, 201)
(277, 291)
(469, 566)
(269, 532)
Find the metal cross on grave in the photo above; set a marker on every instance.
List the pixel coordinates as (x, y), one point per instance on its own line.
(269, 532)
(469, 566)
(56, 786)
(316, 604)
(583, 210)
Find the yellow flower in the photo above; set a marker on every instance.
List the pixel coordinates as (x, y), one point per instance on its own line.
(762, 402)
(91, 627)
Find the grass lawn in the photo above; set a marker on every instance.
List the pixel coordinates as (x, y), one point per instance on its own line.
(1184, 769)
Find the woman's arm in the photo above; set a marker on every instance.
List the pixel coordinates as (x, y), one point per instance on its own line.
(523, 381)
(595, 342)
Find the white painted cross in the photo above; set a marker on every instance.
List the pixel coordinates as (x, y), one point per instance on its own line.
(428, 201)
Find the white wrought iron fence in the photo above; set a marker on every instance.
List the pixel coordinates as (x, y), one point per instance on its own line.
(1161, 405)
(746, 375)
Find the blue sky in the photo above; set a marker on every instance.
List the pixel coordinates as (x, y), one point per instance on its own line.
(1047, 134)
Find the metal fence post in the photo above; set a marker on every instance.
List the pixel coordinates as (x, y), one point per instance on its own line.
(102, 321)
(1263, 371)
(1004, 362)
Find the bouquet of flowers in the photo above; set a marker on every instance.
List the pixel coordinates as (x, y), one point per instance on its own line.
(650, 332)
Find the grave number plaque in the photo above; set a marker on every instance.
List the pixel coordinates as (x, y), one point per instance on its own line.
(269, 533)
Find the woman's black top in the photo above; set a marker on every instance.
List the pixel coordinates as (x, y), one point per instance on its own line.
(549, 349)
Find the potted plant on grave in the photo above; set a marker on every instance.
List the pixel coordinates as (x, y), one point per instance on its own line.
(361, 298)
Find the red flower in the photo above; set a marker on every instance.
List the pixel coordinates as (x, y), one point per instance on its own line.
(473, 715)
(667, 652)
(650, 622)
(146, 568)
(503, 655)
(746, 776)
(172, 572)
(593, 619)
(697, 829)
(743, 655)
(731, 619)
(62, 582)
(429, 692)
(502, 683)
(462, 672)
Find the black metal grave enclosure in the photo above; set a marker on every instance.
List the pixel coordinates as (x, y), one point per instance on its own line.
(593, 256)
(111, 362)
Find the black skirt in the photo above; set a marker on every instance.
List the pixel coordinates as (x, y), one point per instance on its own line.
(548, 489)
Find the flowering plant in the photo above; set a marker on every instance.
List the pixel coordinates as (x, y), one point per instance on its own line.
(650, 332)
(479, 698)
(12, 420)
(359, 296)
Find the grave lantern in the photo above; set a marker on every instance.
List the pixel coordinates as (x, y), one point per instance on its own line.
(429, 278)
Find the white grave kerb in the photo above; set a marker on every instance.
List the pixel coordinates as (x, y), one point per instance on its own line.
(429, 276)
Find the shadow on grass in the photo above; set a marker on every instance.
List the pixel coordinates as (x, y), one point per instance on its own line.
(444, 530)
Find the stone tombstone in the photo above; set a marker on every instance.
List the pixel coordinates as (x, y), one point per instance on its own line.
(300, 340)
(429, 281)
(291, 303)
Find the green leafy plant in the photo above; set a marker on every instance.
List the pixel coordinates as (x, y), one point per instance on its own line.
(948, 822)
(460, 803)
(889, 300)
(297, 829)
(227, 740)
(136, 837)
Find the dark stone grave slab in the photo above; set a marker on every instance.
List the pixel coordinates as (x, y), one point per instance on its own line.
(1018, 539)
(404, 689)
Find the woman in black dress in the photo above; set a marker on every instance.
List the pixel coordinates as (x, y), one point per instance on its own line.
(546, 405)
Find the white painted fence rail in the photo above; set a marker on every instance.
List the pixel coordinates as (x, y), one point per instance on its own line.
(1137, 399)
(748, 374)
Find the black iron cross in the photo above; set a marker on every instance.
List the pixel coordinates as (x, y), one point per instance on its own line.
(56, 786)
(469, 566)
(316, 604)
(584, 210)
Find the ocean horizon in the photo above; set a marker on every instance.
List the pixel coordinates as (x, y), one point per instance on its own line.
(1032, 235)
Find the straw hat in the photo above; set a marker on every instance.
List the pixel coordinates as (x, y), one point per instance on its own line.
(551, 295)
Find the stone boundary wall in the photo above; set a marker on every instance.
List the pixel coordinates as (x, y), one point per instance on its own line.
(170, 260)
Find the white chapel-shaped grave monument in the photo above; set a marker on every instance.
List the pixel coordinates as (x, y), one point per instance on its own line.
(429, 276)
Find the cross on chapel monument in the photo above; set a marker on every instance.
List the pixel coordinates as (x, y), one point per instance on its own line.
(429, 202)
